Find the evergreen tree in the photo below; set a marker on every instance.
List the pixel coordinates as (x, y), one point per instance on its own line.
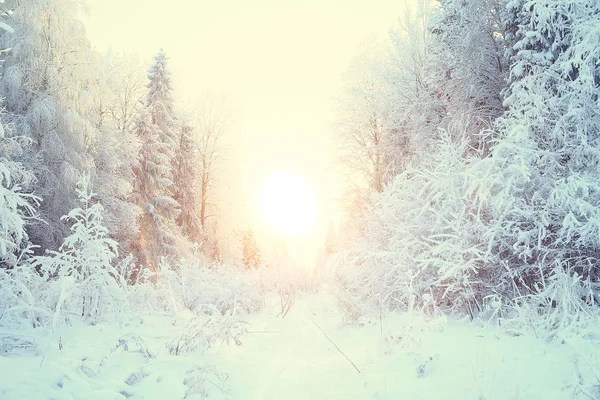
(159, 103)
(152, 183)
(250, 252)
(186, 186)
(154, 176)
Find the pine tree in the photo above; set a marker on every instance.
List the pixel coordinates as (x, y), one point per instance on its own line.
(152, 183)
(159, 103)
(186, 186)
(250, 252)
(155, 189)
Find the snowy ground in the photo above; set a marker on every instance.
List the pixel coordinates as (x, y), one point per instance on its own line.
(292, 358)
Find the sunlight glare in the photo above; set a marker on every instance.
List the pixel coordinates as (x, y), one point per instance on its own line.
(288, 203)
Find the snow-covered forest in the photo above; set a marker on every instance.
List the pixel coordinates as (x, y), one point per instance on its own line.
(465, 263)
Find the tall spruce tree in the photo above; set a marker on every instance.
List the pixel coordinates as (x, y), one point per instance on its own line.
(186, 186)
(154, 187)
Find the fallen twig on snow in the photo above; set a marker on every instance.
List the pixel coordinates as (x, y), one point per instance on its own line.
(338, 349)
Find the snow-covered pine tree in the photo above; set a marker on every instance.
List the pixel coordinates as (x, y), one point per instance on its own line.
(151, 193)
(44, 82)
(186, 186)
(87, 283)
(159, 103)
(250, 252)
(156, 128)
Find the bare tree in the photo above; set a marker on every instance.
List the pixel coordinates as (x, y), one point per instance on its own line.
(362, 122)
(212, 120)
(125, 79)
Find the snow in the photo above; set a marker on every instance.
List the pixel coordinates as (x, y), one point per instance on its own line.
(403, 356)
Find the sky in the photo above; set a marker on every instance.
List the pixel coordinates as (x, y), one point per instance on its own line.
(279, 63)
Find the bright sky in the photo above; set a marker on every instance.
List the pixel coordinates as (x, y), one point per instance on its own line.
(280, 62)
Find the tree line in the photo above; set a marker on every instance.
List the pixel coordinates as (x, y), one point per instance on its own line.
(71, 114)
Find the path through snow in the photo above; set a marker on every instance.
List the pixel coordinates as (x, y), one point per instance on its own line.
(291, 358)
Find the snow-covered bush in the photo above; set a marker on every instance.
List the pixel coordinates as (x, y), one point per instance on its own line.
(421, 246)
(206, 330)
(203, 381)
(556, 309)
(82, 281)
(16, 206)
(16, 279)
(192, 285)
(18, 282)
(20, 289)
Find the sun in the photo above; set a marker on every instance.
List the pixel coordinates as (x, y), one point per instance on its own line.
(288, 203)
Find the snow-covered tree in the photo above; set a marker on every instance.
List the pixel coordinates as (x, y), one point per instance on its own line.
(186, 186)
(420, 246)
(416, 111)
(16, 206)
(197, 169)
(390, 113)
(362, 125)
(467, 67)
(541, 182)
(117, 96)
(114, 156)
(152, 183)
(45, 81)
(125, 82)
(250, 252)
(87, 283)
(159, 103)
(156, 128)
(211, 124)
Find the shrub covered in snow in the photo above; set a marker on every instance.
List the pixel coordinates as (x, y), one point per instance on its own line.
(207, 329)
(82, 282)
(192, 285)
(422, 241)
